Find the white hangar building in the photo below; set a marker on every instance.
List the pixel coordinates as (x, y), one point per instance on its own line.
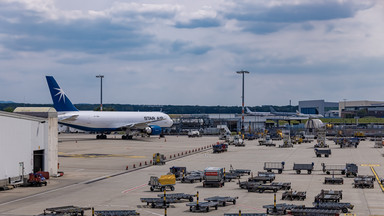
(27, 144)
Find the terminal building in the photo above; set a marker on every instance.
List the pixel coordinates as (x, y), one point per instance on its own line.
(363, 108)
(327, 109)
(28, 144)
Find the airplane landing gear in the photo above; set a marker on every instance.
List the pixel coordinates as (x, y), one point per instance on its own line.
(101, 136)
(127, 137)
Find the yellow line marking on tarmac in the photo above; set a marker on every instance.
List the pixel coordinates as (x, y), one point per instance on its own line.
(370, 165)
(377, 178)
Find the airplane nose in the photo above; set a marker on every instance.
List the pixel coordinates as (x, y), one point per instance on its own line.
(170, 122)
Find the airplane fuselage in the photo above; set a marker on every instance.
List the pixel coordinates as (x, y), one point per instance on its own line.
(112, 121)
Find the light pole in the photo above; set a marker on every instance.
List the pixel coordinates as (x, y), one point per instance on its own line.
(242, 101)
(101, 91)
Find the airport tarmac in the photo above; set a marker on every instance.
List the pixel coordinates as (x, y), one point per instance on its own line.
(96, 175)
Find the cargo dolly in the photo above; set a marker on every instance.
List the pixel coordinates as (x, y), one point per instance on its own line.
(239, 171)
(325, 152)
(155, 184)
(282, 185)
(334, 206)
(192, 177)
(308, 211)
(280, 209)
(263, 179)
(178, 196)
(364, 181)
(245, 214)
(294, 195)
(333, 180)
(202, 206)
(329, 196)
(348, 169)
(158, 202)
(299, 167)
(262, 188)
(222, 200)
(269, 166)
(116, 213)
(248, 184)
(270, 175)
(67, 210)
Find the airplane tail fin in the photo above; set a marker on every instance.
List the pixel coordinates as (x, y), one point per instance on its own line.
(60, 101)
(248, 110)
(272, 110)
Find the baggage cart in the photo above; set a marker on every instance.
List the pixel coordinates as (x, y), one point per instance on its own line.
(229, 176)
(333, 180)
(262, 188)
(351, 169)
(178, 196)
(162, 183)
(202, 206)
(282, 185)
(279, 166)
(294, 195)
(299, 167)
(364, 182)
(281, 208)
(222, 200)
(178, 171)
(116, 213)
(247, 184)
(308, 211)
(158, 202)
(325, 152)
(334, 206)
(239, 171)
(67, 210)
(333, 168)
(329, 196)
(192, 178)
(245, 214)
(267, 174)
(263, 179)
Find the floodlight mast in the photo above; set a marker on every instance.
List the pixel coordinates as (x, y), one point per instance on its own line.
(242, 100)
(101, 91)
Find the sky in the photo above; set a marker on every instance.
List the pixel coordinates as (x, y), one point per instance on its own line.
(182, 52)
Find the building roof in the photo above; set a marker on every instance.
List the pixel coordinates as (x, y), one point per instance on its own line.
(21, 116)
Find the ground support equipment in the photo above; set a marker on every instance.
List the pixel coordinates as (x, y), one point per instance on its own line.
(314, 212)
(229, 176)
(158, 202)
(245, 214)
(178, 196)
(329, 196)
(299, 167)
(192, 177)
(325, 152)
(218, 148)
(282, 185)
(294, 195)
(262, 188)
(269, 166)
(155, 184)
(239, 171)
(222, 200)
(333, 180)
(67, 210)
(270, 175)
(202, 206)
(158, 159)
(263, 179)
(116, 213)
(334, 206)
(248, 184)
(280, 209)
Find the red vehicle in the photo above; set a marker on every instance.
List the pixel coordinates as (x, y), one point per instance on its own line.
(37, 179)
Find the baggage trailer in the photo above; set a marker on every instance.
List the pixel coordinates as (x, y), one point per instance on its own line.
(239, 171)
(116, 213)
(67, 210)
(299, 167)
(334, 206)
(222, 200)
(281, 208)
(248, 184)
(178, 196)
(308, 211)
(333, 180)
(263, 179)
(262, 188)
(245, 214)
(162, 183)
(202, 206)
(178, 171)
(213, 176)
(294, 195)
(157, 202)
(279, 166)
(282, 185)
(229, 176)
(348, 169)
(270, 175)
(349, 142)
(325, 152)
(363, 183)
(329, 196)
(192, 178)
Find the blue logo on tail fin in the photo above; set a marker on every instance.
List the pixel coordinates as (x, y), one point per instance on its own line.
(60, 101)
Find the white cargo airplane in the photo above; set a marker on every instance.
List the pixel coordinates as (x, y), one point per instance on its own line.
(150, 123)
(299, 114)
(258, 113)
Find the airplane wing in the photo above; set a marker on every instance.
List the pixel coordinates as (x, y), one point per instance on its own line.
(139, 125)
(68, 117)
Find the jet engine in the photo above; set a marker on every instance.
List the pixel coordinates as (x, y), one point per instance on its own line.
(153, 130)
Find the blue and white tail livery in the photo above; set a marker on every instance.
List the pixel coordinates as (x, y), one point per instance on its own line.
(149, 123)
(60, 101)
